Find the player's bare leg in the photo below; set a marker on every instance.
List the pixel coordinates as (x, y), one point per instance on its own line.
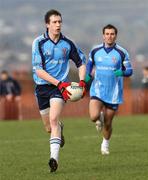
(96, 113)
(56, 106)
(107, 130)
(45, 118)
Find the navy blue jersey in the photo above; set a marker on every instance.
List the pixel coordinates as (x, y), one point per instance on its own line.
(9, 86)
(54, 57)
(105, 85)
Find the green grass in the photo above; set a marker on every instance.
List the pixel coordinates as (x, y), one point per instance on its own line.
(24, 151)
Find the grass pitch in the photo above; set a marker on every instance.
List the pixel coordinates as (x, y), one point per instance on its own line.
(24, 151)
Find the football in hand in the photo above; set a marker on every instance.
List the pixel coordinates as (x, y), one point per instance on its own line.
(76, 91)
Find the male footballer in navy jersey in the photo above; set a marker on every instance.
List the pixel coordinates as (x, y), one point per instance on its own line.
(110, 63)
(51, 53)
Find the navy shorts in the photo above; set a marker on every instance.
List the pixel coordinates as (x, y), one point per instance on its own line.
(108, 105)
(44, 93)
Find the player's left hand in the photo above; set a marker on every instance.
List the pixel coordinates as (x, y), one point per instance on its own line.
(82, 84)
(118, 72)
(88, 78)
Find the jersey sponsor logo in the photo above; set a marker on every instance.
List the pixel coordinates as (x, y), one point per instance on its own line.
(53, 61)
(105, 68)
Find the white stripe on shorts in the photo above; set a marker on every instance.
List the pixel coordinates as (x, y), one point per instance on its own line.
(44, 111)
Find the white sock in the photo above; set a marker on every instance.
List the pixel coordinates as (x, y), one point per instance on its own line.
(105, 142)
(55, 147)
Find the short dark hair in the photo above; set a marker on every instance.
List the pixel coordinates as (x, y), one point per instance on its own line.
(50, 13)
(110, 26)
(4, 72)
(146, 68)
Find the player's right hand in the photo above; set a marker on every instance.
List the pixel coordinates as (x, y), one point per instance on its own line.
(62, 87)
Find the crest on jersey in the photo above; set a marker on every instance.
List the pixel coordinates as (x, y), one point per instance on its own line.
(64, 50)
(114, 59)
(48, 53)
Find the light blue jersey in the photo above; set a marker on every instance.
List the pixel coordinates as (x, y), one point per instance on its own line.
(54, 57)
(105, 85)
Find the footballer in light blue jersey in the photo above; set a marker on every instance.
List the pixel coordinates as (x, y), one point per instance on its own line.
(108, 64)
(51, 55)
(106, 85)
(54, 57)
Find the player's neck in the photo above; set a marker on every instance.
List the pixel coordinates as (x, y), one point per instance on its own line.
(109, 45)
(54, 37)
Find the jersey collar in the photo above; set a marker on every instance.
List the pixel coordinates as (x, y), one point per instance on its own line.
(47, 37)
(108, 49)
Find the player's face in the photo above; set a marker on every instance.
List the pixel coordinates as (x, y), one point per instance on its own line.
(145, 73)
(4, 76)
(109, 37)
(54, 25)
